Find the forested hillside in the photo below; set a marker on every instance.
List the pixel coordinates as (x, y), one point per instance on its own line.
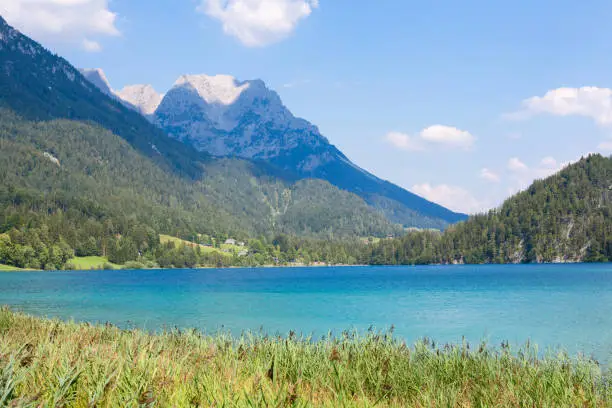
(74, 189)
(85, 185)
(564, 218)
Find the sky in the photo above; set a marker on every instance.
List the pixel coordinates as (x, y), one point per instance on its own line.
(464, 103)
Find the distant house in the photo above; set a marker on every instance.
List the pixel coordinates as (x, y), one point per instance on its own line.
(240, 243)
(230, 241)
(244, 252)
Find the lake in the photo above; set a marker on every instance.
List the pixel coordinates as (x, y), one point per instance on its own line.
(552, 305)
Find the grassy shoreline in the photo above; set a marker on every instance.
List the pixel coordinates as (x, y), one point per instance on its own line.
(54, 363)
(7, 268)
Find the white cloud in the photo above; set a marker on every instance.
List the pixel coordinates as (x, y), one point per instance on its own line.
(489, 175)
(516, 165)
(453, 197)
(588, 101)
(258, 22)
(404, 141)
(447, 136)
(66, 21)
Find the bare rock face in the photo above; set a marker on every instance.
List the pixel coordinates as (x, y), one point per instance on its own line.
(143, 97)
(227, 117)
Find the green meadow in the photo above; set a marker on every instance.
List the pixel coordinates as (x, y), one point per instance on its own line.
(9, 268)
(92, 262)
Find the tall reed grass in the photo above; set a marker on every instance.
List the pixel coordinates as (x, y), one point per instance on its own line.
(49, 363)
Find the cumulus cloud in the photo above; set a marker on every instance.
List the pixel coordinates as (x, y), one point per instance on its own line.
(258, 22)
(453, 197)
(589, 101)
(78, 22)
(441, 135)
(405, 142)
(448, 135)
(489, 175)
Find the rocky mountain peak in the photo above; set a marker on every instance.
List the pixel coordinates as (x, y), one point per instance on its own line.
(225, 116)
(143, 97)
(217, 89)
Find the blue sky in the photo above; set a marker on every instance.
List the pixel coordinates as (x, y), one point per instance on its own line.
(461, 102)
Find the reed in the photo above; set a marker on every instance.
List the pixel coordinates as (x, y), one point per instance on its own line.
(50, 363)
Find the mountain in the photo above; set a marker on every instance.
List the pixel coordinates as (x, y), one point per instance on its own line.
(72, 152)
(141, 98)
(226, 117)
(564, 218)
(229, 118)
(97, 77)
(144, 98)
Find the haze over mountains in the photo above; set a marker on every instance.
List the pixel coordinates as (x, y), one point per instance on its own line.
(229, 118)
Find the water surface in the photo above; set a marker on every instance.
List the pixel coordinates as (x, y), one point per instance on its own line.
(568, 306)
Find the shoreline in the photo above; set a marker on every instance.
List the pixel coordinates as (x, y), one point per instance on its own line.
(196, 268)
(17, 270)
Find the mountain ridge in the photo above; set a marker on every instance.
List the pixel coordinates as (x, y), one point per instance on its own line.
(226, 117)
(144, 98)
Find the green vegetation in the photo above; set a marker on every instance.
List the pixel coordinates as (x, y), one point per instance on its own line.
(91, 262)
(9, 268)
(51, 363)
(214, 247)
(564, 218)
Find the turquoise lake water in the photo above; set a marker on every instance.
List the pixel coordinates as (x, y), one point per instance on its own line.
(567, 306)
